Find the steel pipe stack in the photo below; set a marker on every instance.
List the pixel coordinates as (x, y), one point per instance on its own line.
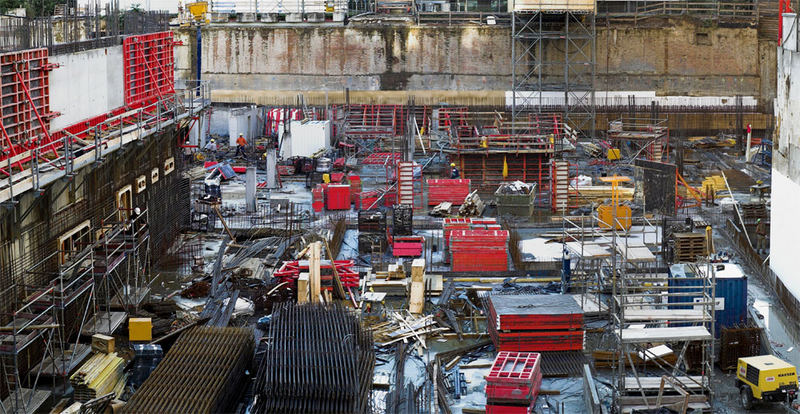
(319, 360)
(203, 372)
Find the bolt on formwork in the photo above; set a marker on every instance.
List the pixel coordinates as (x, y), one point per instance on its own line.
(553, 56)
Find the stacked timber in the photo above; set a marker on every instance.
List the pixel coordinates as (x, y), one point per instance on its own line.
(689, 246)
(98, 376)
(597, 194)
(535, 323)
(472, 205)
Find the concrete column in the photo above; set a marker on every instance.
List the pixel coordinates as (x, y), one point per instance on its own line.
(250, 190)
(272, 169)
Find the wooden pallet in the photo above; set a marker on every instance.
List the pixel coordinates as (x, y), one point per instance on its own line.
(688, 246)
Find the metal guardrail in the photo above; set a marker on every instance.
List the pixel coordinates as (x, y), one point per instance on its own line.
(743, 11)
(463, 18)
(71, 152)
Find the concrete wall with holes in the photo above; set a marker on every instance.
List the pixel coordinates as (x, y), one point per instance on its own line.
(95, 76)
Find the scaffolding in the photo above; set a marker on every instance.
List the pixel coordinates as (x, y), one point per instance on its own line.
(121, 268)
(93, 271)
(645, 138)
(46, 324)
(553, 55)
(645, 309)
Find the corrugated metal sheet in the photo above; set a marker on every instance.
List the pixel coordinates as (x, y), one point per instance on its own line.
(731, 292)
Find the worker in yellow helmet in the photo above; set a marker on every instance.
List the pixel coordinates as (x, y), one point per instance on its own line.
(454, 173)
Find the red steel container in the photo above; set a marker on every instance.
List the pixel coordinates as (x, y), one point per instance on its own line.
(452, 190)
(338, 197)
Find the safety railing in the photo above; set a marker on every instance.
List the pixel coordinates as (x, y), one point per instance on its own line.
(65, 152)
(743, 11)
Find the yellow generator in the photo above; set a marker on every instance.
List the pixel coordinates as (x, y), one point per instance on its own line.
(765, 378)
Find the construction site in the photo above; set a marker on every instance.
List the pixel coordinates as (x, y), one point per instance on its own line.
(400, 206)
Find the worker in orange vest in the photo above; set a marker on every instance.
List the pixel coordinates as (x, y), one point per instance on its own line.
(241, 143)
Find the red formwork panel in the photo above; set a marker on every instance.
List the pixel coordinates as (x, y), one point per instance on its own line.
(513, 376)
(447, 190)
(149, 67)
(24, 101)
(536, 341)
(318, 198)
(508, 409)
(407, 246)
(290, 271)
(479, 250)
(337, 197)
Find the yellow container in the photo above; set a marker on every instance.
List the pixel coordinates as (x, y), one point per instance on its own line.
(326, 178)
(140, 329)
(605, 213)
(613, 154)
(198, 9)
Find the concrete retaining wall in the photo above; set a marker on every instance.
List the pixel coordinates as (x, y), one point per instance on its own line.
(674, 58)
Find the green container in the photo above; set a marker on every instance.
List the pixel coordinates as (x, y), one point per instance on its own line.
(515, 204)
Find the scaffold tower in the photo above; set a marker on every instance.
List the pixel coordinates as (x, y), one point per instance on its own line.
(553, 53)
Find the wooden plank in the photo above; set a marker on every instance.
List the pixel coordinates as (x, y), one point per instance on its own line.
(314, 281)
(642, 315)
(302, 288)
(590, 250)
(683, 333)
(417, 270)
(416, 298)
(654, 383)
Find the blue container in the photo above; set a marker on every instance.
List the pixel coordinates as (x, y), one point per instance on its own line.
(731, 292)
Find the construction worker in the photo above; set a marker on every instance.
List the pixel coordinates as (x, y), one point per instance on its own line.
(454, 173)
(188, 152)
(241, 145)
(761, 236)
(211, 149)
(484, 142)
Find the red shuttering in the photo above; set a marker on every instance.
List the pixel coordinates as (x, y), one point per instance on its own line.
(535, 323)
(513, 382)
(25, 102)
(479, 250)
(149, 67)
(290, 271)
(337, 197)
(441, 190)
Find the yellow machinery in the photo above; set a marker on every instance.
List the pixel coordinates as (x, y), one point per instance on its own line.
(198, 10)
(615, 214)
(765, 378)
(613, 154)
(140, 329)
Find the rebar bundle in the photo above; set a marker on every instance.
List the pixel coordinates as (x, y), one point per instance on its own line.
(319, 360)
(202, 373)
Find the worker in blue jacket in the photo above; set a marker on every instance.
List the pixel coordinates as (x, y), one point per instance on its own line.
(454, 173)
